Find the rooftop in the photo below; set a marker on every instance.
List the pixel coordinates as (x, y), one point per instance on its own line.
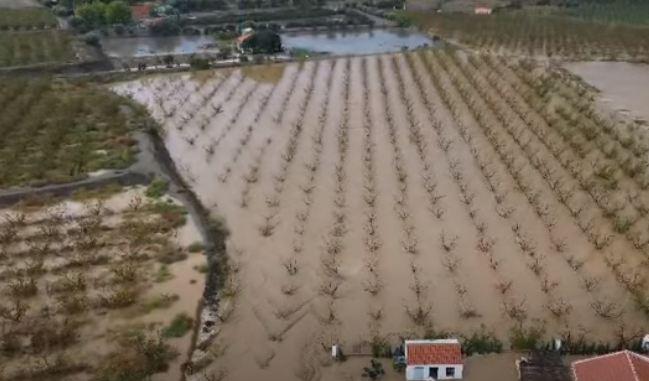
(422, 352)
(618, 366)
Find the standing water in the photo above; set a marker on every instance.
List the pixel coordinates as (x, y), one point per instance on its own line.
(120, 47)
(356, 42)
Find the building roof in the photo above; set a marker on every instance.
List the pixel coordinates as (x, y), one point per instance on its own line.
(141, 11)
(241, 39)
(424, 352)
(618, 366)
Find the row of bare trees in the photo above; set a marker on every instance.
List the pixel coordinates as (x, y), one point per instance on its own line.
(556, 305)
(333, 243)
(287, 157)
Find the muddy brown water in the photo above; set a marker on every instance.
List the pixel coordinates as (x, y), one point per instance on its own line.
(624, 86)
(238, 168)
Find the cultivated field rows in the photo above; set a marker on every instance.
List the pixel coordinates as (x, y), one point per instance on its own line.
(393, 196)
(532, 34)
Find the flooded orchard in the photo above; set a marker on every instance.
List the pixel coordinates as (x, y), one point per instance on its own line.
(384, 197)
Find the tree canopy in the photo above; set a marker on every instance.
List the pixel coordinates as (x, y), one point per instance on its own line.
(264, 41)
(96, 14)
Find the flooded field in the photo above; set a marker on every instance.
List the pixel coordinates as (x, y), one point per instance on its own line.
(123, 47)
(98, 287)
(624, 86)
(354, 42)
(377, 198)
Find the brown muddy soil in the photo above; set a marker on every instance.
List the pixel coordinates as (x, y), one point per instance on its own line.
(377, 198)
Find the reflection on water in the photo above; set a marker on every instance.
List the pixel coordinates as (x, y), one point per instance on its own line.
(147, 46)
(340, 42)
(356, 42)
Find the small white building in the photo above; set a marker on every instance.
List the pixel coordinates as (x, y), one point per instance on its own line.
(482, 10)
(433, 360)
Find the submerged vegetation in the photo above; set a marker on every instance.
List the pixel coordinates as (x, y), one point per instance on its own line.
(96, 265)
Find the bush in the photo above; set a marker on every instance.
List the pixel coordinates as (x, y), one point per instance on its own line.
(196, 247)
(527, 339)
(167, 27)
(482, 342)
(138, 357)
(157, 188)
(92, 39)
(199, 63)
(159, 302)
(170, 254)
(179, 326)
(118, 12)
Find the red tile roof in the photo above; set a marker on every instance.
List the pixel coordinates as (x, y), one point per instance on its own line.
(141, 11)
(434, 353)
(618, 366)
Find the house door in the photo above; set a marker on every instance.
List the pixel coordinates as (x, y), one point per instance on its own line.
(432, 372)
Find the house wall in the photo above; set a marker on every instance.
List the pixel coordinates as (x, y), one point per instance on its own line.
(411, 373)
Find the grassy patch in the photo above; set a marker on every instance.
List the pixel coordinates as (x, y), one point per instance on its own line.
(102, 193)
(264, 73)
(196, 247)
(171, 254)
(526, 338)
(29, 48)
(481, 342)
(157, 188)
(139, 356)
(202, 268)
(172, 214)
(529, 32)
(161, 301)
(53, 132)
(27, 19)
(163, 274)
(179, 326)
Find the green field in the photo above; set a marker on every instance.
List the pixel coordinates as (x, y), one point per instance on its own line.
(28, 48)
(614, 12)
(532, 33)
(54, 132)
(26, 19)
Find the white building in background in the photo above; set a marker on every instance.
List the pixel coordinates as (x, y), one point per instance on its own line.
(482, 10)
(433, 360)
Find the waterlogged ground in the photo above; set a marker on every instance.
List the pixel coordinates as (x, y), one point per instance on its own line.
(381, 197)
(81, 279)
(624, 86)
(354, 42)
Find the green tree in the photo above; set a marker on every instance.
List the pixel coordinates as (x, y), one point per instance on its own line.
(118, 12)
(93, 14)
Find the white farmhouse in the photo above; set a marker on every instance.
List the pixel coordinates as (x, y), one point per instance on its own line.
(433, 360)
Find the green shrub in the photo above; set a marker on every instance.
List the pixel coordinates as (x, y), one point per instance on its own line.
(482, 342)
(163, 274)
(526, 338)
(138, 357)
(157, 188)
(203, 269)
(171, 254)
(196, 247)
(179, 326)
(161, 301)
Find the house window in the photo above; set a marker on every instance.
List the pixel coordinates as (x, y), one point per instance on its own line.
(450, 372)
